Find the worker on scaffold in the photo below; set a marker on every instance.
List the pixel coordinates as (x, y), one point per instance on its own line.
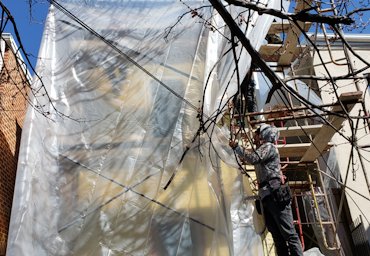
(273, 192)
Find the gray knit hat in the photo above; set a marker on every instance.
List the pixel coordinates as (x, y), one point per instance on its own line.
(268, 133)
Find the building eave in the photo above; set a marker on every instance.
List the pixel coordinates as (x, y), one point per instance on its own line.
(8, 38)
(356, 41)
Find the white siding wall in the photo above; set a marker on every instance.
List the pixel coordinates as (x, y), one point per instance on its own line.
(358, 205)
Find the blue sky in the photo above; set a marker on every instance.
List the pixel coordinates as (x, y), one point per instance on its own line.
(30, 23)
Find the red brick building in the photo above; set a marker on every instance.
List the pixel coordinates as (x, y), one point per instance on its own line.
(14, 84)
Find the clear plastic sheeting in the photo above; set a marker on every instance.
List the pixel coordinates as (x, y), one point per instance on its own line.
(279, 97)
(320, 218)
(92, 183)
(313, 252)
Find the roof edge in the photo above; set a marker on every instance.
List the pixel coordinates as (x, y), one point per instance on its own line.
(8, 38)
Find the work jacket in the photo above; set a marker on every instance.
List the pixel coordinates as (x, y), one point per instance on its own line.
(266, 160)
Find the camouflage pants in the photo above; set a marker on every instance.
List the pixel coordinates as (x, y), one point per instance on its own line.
(279, 221)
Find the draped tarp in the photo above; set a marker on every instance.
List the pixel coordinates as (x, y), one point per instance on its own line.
(129, 80)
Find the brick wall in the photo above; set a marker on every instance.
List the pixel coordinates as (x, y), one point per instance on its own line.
(12, 112)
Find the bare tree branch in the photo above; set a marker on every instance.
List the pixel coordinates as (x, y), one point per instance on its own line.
(303, 15)
(358, 11)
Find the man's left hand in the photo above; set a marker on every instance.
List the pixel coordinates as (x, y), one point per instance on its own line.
(233, 144)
